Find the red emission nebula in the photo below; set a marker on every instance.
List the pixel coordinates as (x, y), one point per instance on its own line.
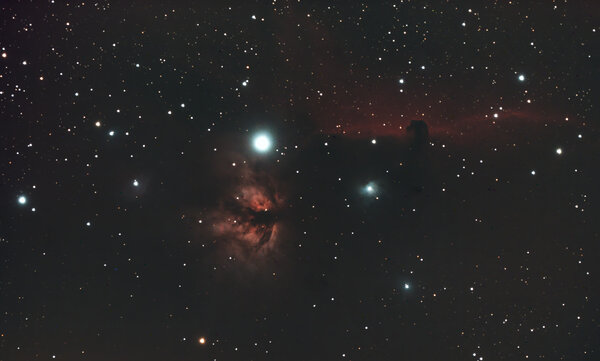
(248, 222)
(464, 119)
(347, 98)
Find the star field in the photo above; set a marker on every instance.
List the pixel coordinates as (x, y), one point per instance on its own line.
(299, 180)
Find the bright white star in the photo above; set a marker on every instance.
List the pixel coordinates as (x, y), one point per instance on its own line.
(370, 188)
(262, 143)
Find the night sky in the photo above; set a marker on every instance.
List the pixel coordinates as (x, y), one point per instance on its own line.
(299, 180)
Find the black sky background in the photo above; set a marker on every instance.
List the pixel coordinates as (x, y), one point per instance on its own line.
(500, 263)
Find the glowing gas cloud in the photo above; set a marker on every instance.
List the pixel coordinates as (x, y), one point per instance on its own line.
(248, 222)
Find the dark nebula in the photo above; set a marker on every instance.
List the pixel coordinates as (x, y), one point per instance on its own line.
(419, 133)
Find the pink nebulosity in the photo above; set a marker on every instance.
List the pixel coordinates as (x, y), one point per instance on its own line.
(248, 223)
